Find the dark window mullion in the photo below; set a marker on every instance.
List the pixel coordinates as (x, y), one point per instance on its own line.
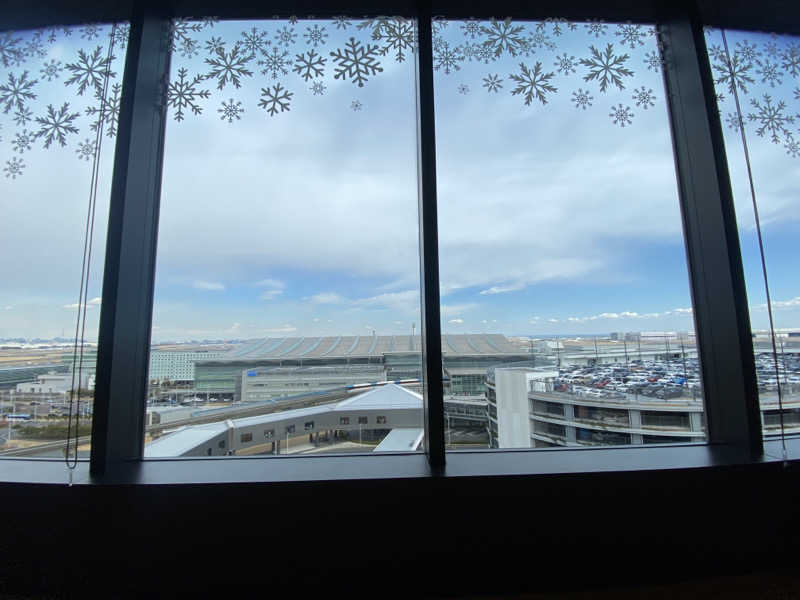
(712, 242)
(429, 247)
(125, 320)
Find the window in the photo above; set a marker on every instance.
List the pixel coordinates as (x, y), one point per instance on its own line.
(562, 261)
(304, 303)
(362, 420)
(538, 281)
(309, 425)
(269, 434)
(246, 437)
(344, 420)
(380, 420)
(289, 429)
(758, 100)
(60, 92)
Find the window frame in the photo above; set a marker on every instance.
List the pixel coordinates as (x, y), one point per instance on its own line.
(710, 233)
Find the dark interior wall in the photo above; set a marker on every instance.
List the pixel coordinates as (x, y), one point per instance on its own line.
(471, 535)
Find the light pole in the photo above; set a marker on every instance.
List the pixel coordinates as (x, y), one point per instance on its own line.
(449, 433)
(287, 441)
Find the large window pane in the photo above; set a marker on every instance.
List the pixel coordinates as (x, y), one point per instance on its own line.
(287, 280)
(59, 93)
(757, 77)
(563, 271)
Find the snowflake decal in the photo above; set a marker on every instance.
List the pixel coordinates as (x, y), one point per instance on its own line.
(471, 28)
(90, 69)
(400, 36)
(214, 43)
(356, 105)
(621, 115)
(644, 97)
(90, 32)
(596, 27)
(463, 89)
(23, 140)
(734, 122)
(341, 22)
(23, 116)
(230, 110)
(769, 73)
(749, 52)
(51, 70)
(539, 41)
(733, 73)
(565, 64)
(632, 35)
(582, 99)
(309, 65)
(9, 53)
(275, 63)
(86, 150)
(184, 94)
(17, 91)
(253, 42)
(106, 112)
(56, 125)
(35, 47)
(447, 58)
(533, 83)
(315, 35)
(14, 167)
(285, 37)
(792, 148)
(229, 66)
(119, 34)
(791, 60)
(318, 88)
(356, 62)
(485, 54)
(653, 61)
(606, 67)
(492, 83)
(502, 36)
(275, 98)
(771, 118)
(189, 48)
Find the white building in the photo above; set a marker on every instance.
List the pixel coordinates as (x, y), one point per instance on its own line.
(170, 365)
(55, 383)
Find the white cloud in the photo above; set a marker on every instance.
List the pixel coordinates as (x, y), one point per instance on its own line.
(270, 294)
(213, 286)
(502, 289)
(457, 321)
(91, 303)
(270, 283)
(327, 298)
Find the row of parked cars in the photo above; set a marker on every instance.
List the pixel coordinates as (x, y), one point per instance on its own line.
(658, 379)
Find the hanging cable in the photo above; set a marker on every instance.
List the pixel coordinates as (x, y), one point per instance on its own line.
(760, 239)
(104, 113)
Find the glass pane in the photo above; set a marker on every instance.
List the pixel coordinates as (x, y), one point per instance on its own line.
(757, 78)
(59, 93)
(565, 294)
(287, 281)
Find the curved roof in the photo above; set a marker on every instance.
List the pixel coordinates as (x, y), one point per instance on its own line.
(367, 345)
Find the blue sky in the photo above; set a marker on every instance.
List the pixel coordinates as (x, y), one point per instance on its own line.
(552, 218)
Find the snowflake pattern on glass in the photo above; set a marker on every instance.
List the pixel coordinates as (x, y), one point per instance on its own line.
(582, 99)
(492, 83)
(275, 98)
(621, 115)
(230, 110)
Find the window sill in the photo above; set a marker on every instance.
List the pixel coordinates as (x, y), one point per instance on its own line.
(366, 467)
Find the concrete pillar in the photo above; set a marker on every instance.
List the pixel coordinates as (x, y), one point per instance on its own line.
(636, 418)
(636, 438)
